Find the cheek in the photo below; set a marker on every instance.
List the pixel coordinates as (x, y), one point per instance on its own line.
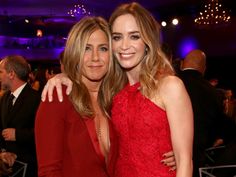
(114, 46)
(86, 57)
(141, 47)
(106, 57)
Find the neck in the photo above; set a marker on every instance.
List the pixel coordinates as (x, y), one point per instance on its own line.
(133, 76)
(93, 89)
(15, 85)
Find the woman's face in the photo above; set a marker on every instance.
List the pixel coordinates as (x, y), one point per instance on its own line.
(127, 45)
(96, 57)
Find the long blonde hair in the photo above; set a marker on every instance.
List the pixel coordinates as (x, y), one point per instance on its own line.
(73, 55)
(155, 64)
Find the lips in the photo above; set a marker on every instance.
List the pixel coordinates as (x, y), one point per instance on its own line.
(126, 55)
(95, 66)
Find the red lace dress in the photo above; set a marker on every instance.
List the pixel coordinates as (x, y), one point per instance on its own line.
(144, 135)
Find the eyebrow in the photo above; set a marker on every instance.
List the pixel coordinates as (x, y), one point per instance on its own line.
(105, 44)
(131, 32)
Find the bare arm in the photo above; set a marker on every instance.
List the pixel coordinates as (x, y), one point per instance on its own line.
(57, 81)
(180, 117)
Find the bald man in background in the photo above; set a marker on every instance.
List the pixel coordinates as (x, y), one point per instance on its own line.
(206, 106)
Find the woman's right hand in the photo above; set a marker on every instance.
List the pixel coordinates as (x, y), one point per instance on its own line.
(57, 81)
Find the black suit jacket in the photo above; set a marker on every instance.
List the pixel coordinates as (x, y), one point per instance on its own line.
(21, 117)
(208, 113)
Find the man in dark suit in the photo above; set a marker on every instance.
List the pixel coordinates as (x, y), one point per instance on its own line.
(17, 116)
(207, 108)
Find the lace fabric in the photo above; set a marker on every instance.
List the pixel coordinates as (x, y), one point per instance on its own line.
(144, 135)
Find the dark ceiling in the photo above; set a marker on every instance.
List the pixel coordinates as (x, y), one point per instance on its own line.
(51, 16)
(43, 13)
(100, 7)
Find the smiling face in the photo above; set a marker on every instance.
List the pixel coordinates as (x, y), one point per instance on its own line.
(127, 44)
(96, 57)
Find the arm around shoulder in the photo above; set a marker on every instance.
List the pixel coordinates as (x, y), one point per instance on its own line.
(57, 81)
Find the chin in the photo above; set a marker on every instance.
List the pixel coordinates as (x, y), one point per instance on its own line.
(126, 65)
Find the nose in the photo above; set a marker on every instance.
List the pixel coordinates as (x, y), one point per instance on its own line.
(95, 56)
(125, 44)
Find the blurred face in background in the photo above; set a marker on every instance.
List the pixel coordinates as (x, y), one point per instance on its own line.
(4, 76)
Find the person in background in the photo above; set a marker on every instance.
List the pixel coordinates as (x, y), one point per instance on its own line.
(52, 71)
(33, 81)
(37, 79)
(208, 112)
(18, 107)
(1, 90)
(7, 160)
(61, 56)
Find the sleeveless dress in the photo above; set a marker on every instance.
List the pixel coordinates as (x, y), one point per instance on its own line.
(143, 134)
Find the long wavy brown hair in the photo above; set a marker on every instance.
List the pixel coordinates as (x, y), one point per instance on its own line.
(155, 65)
(73, 55)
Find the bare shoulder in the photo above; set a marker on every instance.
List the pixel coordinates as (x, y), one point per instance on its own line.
(171, 88)
(170, 83)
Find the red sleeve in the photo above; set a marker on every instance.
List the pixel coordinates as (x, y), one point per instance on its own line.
(49, 131)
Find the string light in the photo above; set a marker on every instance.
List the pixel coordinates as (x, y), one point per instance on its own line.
(78, 10)
(213, 14)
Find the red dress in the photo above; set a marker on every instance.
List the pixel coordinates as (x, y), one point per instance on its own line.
(143, 133)
(67, 145)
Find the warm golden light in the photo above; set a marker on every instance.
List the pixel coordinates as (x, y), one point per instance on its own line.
(212, 14)
(79, 10)
(39, 33)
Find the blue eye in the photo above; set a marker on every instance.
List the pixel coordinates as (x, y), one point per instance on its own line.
(104, 49)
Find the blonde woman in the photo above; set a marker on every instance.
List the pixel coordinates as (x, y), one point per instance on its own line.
(75, 138)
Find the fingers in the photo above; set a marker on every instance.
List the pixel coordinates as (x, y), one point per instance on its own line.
(59, 90)
(48, 90)
(8, 158)
(9, 134)
(168, 154)
(51, 84)
(173, 168)
(57, 82)
(171, 164)
(69, 85)
(44, 92)
(169, 160)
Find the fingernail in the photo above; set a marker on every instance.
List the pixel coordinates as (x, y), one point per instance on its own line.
(60, 100)
(50, 99)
